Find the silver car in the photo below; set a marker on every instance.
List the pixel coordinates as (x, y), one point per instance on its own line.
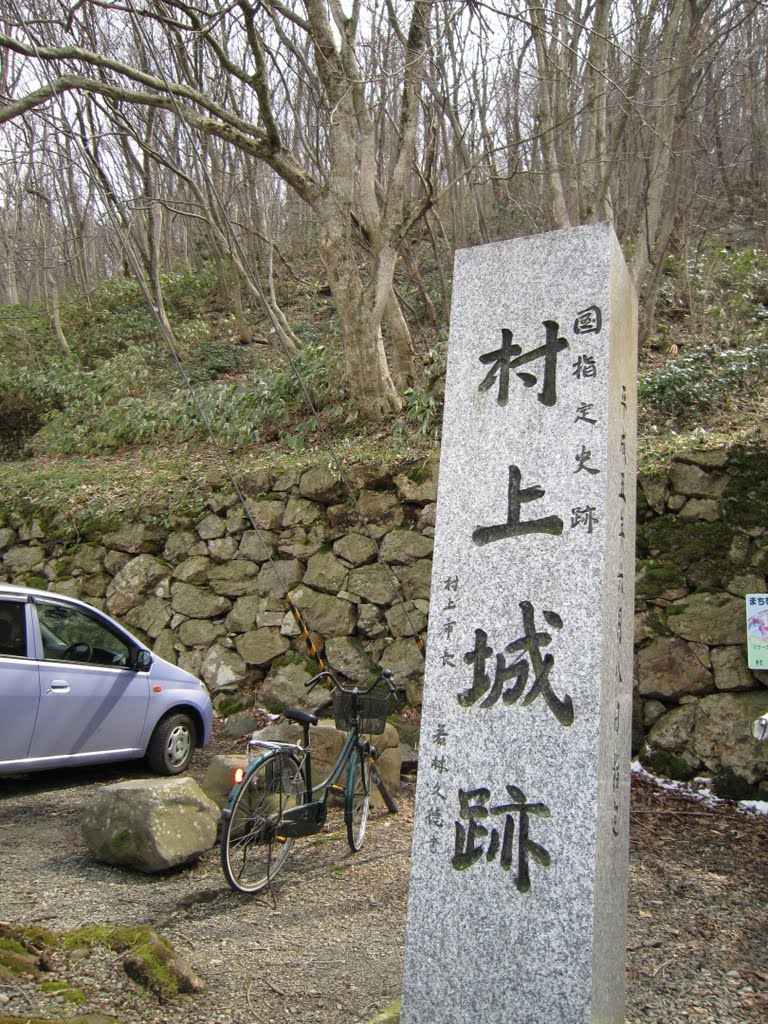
(77, 688)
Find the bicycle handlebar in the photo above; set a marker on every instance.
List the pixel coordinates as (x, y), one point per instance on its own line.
(386, 675)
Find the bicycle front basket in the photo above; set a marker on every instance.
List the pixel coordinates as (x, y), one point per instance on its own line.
(372, 709)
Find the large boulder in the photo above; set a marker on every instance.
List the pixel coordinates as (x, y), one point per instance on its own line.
(150, 824)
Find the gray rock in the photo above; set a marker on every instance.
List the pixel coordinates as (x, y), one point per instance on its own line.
(370, 621)
(347, 657)
(746, 583)
(404, 547)
(114, 561)
(261, 646)
(320, 484)
(715, 619)
(652, 711)
(284, 686)
(222, 669)
(300, 512)
(23, 558)
(7, 538)
(408, 619)
(219, 776)
(177, 546)
(136, 539)
(326, 573)
(286, 481)
(669, 668)
(673, 732)
(235, 578)
(222, 549)
(701, 508)
(325, 614)
(258, 545)
(694, 482)
(427, 517)
(151, 616)
(192, 660)
(730, 668)
(31, 530)
(300, 543)
(244, 613)
(380, 507)
(150, 824)
(416, 580)
(134, 581)
(95, 586)
(211, 527)
(193, 570)
(198, 603)
(406, 663)
(375, 583)
(200, 632)
(421, 486)
(275, 578)
(356, 549)
(164, 646)
(267, 515)
(237, 519)
(721, 736)
(88, 558)
(655, 489)
(709, 459)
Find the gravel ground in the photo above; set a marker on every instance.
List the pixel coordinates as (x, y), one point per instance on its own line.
(327, 944)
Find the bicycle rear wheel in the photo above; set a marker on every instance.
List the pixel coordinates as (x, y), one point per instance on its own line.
(357, 796)
(253, 848)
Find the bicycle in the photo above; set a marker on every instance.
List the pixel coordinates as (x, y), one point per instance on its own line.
(274, 802)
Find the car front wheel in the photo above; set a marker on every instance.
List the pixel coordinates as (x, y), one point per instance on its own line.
(172, 745)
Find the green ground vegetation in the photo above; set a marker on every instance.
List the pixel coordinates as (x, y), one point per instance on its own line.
(86, 437)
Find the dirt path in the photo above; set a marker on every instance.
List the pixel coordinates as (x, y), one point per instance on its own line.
(327, 945)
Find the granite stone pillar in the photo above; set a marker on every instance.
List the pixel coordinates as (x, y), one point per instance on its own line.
(519, 873)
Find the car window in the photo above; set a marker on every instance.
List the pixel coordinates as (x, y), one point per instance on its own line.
(13, 629)
(70, 634)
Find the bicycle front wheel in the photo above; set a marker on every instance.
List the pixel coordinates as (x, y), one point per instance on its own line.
(357, 796)
(253, 847)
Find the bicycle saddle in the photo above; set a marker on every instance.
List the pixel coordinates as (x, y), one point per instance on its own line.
(297, 715)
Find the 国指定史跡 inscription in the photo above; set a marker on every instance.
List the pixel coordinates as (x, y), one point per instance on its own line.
(520, 840)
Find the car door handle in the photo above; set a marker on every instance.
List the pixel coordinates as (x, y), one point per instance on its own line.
(58, 686)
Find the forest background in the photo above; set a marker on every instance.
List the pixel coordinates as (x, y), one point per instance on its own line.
(231, 209)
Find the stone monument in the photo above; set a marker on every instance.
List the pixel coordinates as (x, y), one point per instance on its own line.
(517, 907)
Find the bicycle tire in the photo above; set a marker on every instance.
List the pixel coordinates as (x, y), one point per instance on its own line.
(252, 849)
(357, 797)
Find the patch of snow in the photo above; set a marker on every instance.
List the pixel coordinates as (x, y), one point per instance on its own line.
(699, 790)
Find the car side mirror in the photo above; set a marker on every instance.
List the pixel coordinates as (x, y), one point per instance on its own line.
(140, 659)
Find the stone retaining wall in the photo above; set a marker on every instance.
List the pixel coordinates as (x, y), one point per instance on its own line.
(210, 597)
